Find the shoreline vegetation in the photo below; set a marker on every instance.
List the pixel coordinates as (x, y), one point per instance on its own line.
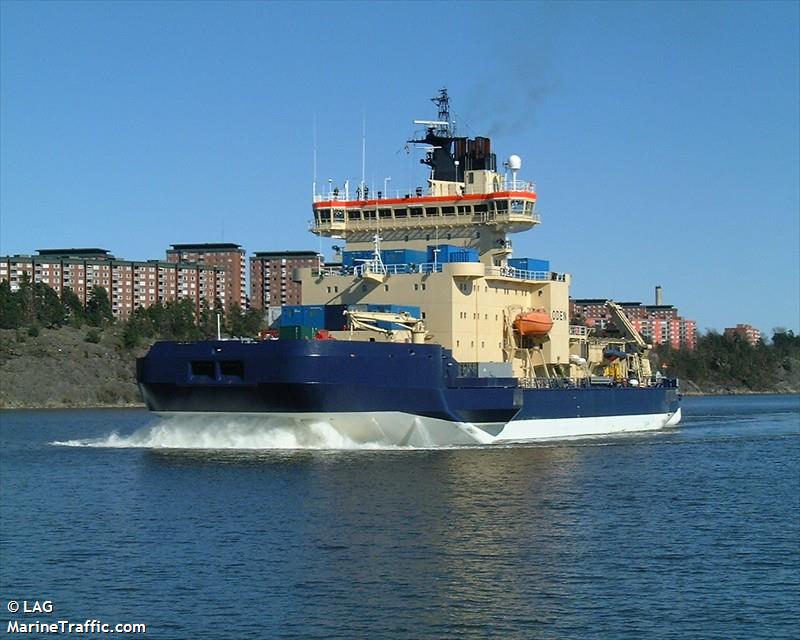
(56, 354)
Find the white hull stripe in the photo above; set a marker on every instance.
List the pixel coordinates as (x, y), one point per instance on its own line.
(402, 429)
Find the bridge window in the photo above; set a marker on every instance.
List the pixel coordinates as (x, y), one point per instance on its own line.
(517, 206)
(400, 213)
(416, 212)
(501, 206)
(431, 212)
(354, 215)
(369, 214)
(448, 211)
(324, 216)
(384, 213)
(464, 209)
(481, 208)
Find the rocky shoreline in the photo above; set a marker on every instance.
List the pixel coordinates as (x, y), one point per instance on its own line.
(59, 369)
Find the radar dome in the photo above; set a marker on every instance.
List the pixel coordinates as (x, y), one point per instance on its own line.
(514, 162)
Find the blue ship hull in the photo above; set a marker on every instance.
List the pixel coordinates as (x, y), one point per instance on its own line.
(381, 383)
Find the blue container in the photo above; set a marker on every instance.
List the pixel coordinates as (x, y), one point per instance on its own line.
(303, 316)
(355, 258)
(403, 256)
(529, 264)
(464, 255)
(452, 253)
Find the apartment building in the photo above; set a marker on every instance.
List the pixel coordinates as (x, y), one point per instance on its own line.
(744, 331)
(130, 284)
(271, 282)
(225, 255)
(658, 323)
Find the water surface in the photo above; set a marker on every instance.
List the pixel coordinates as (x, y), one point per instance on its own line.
(688, 533)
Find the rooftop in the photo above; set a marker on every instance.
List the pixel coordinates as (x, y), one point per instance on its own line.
(75, 252)
(207, 247)
(285, 254)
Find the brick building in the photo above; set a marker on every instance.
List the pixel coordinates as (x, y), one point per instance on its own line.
(130, 284)
(658, 323)
(745, 331)
(271, 282)
(225, 255)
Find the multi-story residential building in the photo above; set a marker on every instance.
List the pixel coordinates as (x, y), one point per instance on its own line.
(745, 331)
(271, 282)
(226, 255)
(130, 284)
(658, 323)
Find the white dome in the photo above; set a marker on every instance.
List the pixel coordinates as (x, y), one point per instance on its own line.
(514, 162)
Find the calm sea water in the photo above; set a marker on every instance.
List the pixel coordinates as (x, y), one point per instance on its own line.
(689, 533)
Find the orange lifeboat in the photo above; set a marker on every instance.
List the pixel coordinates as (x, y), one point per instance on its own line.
(533, 323)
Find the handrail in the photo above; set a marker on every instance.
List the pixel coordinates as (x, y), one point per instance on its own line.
(572, 383)
(436, 267)
(335, 194)
(521, 274)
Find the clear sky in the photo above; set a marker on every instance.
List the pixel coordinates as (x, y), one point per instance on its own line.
(663, 137)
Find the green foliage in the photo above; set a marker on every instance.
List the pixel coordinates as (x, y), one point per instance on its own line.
(207, 322)
(786, 343)
(30, 305)
(98, 308)
(175, 320)
(47, 307)
(33, 331)
(732, 361)
(243, 324)
(93, 336)
(131, 335)
(10, 307)
(75, 313)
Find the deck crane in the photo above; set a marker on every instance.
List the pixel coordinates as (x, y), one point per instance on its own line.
(641, 362)
(403, 321)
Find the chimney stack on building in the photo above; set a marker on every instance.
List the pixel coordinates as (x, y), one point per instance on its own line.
(659, 295)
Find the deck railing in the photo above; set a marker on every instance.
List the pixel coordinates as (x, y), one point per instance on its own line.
(370, 266)
(522, 274)
(595, 381)
(336, 194)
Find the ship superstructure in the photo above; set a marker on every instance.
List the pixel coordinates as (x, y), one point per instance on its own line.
(468, 290)
(428, 331)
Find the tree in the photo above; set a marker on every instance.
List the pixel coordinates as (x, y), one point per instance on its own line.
(48, 309)
(24, 295)
(180, 320)
(10, 310)
(73, 308)
(207, 322)
(98, 308)
(243, 324)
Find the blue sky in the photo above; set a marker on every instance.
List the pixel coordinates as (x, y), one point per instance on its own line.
(663, 137)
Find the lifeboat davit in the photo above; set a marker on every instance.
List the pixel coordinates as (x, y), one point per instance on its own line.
(533, 323)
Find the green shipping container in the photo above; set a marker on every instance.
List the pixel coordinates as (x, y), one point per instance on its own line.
(297, 333)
